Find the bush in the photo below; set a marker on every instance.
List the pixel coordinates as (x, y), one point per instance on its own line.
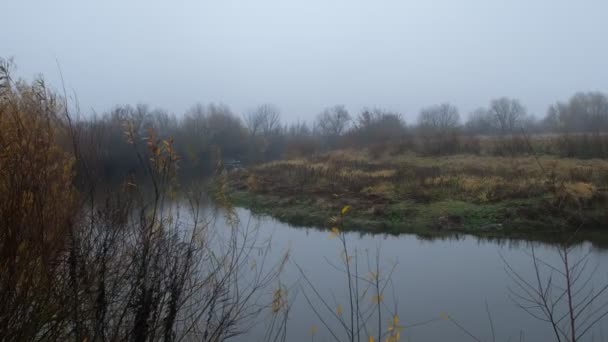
(36, 210)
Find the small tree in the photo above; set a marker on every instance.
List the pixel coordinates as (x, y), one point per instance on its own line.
(332, 122)
(376, 126)
(439, 118)
(510, 118)
(264, 127)
(561, 294)
(584, 112)
(438, 128)
(264, 120)
(509, 114)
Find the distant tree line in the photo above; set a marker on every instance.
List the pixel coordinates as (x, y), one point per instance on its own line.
(206, 135)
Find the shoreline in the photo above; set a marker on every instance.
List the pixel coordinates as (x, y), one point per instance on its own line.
(433, 220)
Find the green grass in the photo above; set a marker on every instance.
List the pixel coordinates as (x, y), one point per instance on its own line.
(414, 218)
(405, 217)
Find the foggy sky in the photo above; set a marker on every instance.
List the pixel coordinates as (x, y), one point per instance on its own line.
(305, 55)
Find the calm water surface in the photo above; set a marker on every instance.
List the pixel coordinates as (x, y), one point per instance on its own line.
(454, 276)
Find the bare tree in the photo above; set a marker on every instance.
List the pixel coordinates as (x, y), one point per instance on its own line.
(584, 112)
(440, 118)
(438, 129)
(374, 126)
(333, 121)
(480, 121)
(508, 113)
(264, 120)
(561, 295)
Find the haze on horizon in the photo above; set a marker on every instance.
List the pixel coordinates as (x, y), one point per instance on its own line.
(307, 55)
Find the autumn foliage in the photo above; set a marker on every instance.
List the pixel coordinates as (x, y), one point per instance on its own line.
(36, 208)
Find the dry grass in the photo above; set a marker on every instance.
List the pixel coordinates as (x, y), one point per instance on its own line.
(468, 177)
(402, 188)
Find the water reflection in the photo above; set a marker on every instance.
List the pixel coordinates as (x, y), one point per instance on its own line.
(456, 274)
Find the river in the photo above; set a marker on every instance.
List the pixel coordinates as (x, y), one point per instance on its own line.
(463, 277)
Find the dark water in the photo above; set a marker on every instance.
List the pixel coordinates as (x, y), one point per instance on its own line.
(454, 276)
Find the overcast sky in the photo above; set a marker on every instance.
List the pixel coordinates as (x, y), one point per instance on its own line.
(304, 55)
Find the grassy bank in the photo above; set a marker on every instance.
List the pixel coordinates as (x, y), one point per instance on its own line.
(520, 197)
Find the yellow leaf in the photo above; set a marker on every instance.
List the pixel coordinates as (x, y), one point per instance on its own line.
(371, 339)
(278, 300)
(339, 309)
(377, 298)
(313, 330)
(345, 258)
(334, 232)
(345, 209)
(395, 328)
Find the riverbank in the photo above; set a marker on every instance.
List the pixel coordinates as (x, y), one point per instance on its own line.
(521, 197)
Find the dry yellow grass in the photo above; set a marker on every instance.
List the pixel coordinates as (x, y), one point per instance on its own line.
(471, 178)
(565, 169)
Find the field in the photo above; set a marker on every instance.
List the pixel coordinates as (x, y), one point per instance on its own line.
(523, 196)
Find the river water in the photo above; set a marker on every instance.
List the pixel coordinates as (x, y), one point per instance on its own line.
(463, 277)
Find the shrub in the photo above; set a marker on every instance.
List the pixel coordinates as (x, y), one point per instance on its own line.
(36, 211)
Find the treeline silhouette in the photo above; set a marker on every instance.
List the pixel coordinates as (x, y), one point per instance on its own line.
(208, 134)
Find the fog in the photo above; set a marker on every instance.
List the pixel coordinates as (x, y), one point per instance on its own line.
(306, 55)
